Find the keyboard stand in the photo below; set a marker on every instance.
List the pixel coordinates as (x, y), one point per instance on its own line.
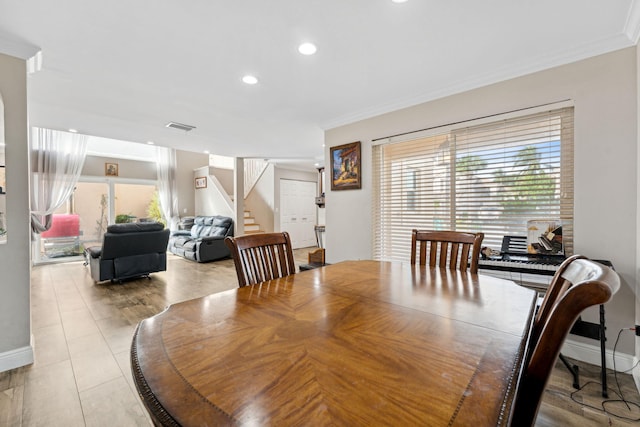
(573, 369)
(517, 245)
(581, 328)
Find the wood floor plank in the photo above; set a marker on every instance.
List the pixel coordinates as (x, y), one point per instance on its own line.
(11, 397)
(562, 405)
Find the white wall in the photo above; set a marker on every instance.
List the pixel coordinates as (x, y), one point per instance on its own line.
(186, 163)
(604, 92)
(133, 169)
(225, 176)
(213, 199)
(15, 339)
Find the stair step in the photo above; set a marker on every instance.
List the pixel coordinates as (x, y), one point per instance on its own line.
(252, 227)
(253, 231)
(248, 220)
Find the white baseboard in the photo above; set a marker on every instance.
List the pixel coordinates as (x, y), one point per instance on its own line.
(16, 358)
(636, 373)
(591, 354)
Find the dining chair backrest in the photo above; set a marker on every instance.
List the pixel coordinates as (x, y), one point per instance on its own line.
(446, 249)
(559, 286)
(582, 283)
(261, 257)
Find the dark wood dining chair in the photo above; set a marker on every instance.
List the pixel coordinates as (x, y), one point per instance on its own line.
(559, 286)
(582, 283)
(261, 257)
(453, 249)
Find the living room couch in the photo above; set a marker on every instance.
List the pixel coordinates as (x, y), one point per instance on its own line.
(204, 242)
(129, 250)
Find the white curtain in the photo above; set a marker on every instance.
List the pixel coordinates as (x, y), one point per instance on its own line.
(56, 163)
(167, 192)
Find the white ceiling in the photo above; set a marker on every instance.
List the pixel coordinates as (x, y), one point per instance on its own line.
(122, 69)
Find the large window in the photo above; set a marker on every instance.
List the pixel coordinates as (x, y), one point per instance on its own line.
(83, 219)
(490, 175)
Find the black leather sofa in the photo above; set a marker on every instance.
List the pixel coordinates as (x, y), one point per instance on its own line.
(129, 250)
(205, 240)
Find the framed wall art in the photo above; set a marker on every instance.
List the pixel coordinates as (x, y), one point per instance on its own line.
(346, 173)
(111, 169)
(201, 182)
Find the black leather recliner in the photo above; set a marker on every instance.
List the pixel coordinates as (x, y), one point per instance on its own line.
(129, 250)
(205, 240)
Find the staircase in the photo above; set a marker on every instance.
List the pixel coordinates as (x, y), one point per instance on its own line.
(250, 224)
(253, 169)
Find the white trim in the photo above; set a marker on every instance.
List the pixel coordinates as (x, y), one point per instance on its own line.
(93, 153)
(16, 358)
(18, 49)
(636, 372)
(120, 149)
(632, 26)
(439, 130)
(116, 180)
(222, 192)
(590, 353)
(545, 62)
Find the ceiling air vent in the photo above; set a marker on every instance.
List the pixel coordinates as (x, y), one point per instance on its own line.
(180, 126)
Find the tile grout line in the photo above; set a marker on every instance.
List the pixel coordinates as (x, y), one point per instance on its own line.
(113, 355)
(66, 340)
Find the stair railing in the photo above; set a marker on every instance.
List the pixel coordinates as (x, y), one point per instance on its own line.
(253, 170)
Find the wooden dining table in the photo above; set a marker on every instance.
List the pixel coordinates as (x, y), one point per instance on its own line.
(353, 343)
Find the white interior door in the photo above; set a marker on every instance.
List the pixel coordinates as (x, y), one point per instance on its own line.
(298, 211)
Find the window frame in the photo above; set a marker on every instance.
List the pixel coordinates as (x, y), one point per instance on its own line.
(392, 239)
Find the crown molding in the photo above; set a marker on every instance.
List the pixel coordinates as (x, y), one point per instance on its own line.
(520, 69)
(632, 26)
(18, 49)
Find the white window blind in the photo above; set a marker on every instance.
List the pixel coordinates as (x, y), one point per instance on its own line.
(490, 177)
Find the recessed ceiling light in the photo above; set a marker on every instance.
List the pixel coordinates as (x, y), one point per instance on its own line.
(307, 48)
(206, 151)
(399, 1)
(250, 80)
(150, 142)
(73, 130)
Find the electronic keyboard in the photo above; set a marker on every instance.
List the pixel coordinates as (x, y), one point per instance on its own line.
(522, 264)
(515, 259)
